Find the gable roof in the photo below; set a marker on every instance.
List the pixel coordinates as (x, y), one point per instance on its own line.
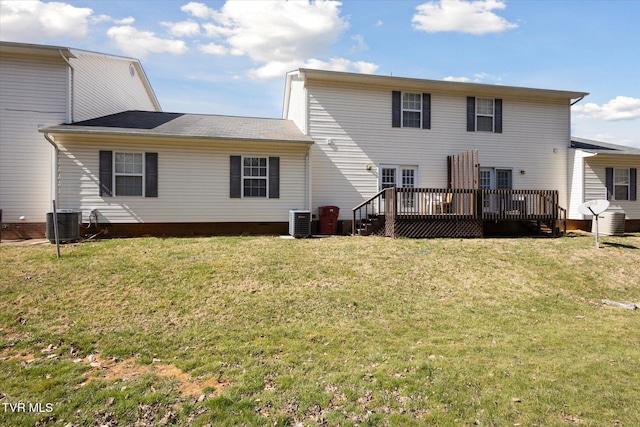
(67, 53)
(179, 125)
(599, 147)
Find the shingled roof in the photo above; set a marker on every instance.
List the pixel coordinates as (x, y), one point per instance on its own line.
(179, 125)
(599, 147)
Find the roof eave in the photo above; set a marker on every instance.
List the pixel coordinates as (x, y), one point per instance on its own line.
(58, 130)
(460, 87)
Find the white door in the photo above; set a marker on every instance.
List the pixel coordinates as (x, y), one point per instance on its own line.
(401, 176)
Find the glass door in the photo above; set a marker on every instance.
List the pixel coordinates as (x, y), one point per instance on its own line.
(401, 176)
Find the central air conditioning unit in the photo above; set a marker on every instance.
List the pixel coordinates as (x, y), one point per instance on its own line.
(300, 223)
(68, 225)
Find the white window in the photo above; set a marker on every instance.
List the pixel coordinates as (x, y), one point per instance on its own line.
(621, 184)
(254, 176)
(128, 174)
(484, 114)
(411, 110)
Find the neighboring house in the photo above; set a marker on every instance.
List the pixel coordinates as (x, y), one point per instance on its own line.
(169, 173)
(600, 170)
(373, 132)
(42, 86)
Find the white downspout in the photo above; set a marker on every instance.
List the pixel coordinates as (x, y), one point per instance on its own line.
(307, 161)
(54, 173)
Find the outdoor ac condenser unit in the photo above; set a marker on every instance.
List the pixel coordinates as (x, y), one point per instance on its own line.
(300, 223)
(68, 225)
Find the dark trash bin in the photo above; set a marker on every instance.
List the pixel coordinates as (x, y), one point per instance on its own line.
(329, 219)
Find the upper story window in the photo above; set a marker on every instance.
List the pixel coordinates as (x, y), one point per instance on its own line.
(411, 110)
(484, 114)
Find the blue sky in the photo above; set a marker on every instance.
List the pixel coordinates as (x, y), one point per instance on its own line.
(230, 57)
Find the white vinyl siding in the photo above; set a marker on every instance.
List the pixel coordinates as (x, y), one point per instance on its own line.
(104, 85)
(193, 181)
(595, 181)
(36, 90)
(33, 93)
(357, 120)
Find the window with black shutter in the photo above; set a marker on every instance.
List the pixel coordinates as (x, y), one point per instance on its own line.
(254, 177)
(128, 174)
(484, 114)
(621, 183)
(410, 110)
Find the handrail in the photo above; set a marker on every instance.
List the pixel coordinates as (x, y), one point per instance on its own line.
(379, 193)
(365, 205)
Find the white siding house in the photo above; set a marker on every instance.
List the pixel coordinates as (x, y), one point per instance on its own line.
(600, 170)
(374, 131)
(42, 86)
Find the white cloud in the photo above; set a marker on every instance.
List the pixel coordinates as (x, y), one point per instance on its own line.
(457, 79)
(35, 21)
(276, 69)
(183, 29)
(138, 43)
(199, 10)
(477, 78)
(619, 108)
(278, 35)
(475, 17)
(106, 18)
(359, 43)
(213, 49)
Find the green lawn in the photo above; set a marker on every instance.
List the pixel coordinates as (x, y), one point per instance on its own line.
(333, 331)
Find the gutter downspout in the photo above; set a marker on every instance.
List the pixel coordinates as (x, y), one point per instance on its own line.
(54, 184)
(71, 111)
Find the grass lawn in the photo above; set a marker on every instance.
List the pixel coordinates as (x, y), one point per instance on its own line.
(333, 331)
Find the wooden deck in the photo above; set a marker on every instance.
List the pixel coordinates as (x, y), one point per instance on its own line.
(433, 212)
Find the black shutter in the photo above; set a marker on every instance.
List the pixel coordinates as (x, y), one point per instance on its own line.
(471, 114)
(633, 188)
(151, 174)
(609, 182)
(274, 177)
(105, 172)
(498, 115)
(235, 177)
(396, 109)
(426, 111)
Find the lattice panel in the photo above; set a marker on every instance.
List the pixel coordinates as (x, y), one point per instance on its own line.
(437, 228)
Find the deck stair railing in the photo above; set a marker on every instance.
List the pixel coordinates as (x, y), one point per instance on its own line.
(366, 214)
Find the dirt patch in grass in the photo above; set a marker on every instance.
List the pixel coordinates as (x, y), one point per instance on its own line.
(129, 370)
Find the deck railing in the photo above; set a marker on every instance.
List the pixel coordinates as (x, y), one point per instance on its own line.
(438, 203)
